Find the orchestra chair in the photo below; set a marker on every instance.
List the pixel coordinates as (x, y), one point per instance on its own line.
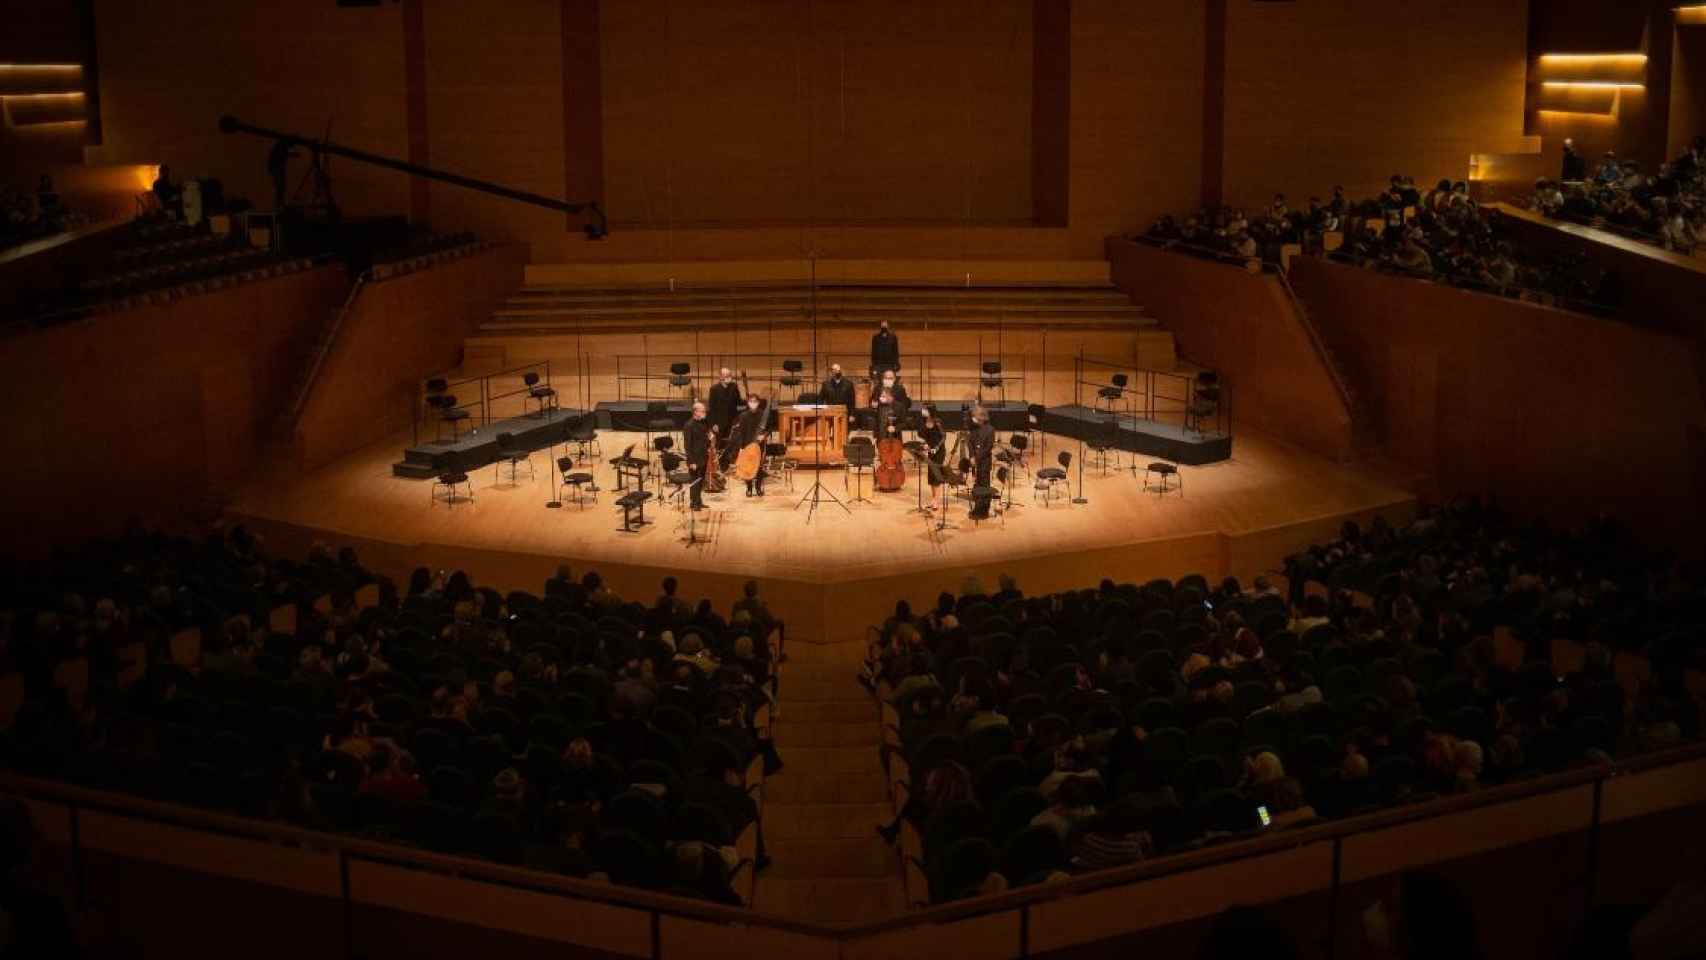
(1205, 401)
(657, 420)
(679, 379)
(664, 447)
(1114, 393)
(448, 412)
(1014, 455)
(449, 479)
(778, 464)
(543, 394)
(511, 453)
(1034, 422)
(1051, 478)
(992, 380)
(791, 376)
(583, 437)
(994, 495)
(674, 473)
(1168, 478)
(861, 456)
(1105, 445)
(579, 483)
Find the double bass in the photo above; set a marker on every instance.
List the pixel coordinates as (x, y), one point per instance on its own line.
(750, 459)
(890, 473)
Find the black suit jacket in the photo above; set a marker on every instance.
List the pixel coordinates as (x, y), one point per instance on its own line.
(723, 404)
(885, 350)
(833, 392)
(696, 435)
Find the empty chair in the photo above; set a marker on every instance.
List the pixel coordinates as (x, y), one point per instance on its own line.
(541, 393)
(1113, 394)
(1163, 477)
(582, 438)
(1051, 478)
(679, 379)
(579, 482)
(513, 455)
(791, 376)
(450, 478)
(445, 407)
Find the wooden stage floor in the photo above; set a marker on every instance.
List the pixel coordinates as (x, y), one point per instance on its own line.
(1240, 516)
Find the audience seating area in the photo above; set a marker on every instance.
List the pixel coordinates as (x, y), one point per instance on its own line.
(1440, 234)
(569, 731)
(161, 261)
(1665, 209)
(1033, 737)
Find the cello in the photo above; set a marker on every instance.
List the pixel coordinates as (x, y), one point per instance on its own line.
(890, 473)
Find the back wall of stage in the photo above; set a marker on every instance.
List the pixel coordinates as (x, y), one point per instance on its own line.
(780, 128)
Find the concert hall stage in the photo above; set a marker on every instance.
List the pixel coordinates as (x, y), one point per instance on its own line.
(841, 571)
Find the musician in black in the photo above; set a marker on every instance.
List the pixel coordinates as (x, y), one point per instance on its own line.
(696, 436)
(931, 434)
(885, 350)
(753, 427)
(981, 440)
(837, 390)
(722, 405)
(890, 401)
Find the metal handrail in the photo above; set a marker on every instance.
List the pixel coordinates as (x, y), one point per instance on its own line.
(324, 348)
(1340, 384)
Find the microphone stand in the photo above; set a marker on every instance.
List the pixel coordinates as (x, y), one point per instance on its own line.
(1078, 400)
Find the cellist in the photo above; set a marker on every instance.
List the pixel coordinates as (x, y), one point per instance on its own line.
(753, 428)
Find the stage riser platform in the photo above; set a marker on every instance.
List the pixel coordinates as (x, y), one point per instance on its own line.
(479, 447)
(1164, 441)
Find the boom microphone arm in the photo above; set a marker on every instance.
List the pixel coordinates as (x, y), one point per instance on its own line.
(596, 230)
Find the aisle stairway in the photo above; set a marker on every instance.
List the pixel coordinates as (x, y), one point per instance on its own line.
(821, 811)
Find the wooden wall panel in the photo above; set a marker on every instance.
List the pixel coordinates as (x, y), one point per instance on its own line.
(169, 70)
(146, 412)
(1350, 92)
(1534, 405)
(1225, 318)
(614, 930)
(399, 331)
(1087, 918)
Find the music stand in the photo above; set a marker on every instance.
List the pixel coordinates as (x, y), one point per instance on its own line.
(942, 479)
(920, 456)
(817, 494)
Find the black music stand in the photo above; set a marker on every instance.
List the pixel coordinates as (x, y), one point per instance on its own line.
(920, 456)
(943, 479)
(817, 494)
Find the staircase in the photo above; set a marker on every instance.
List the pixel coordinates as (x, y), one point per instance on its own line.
(821, 811)
(547, 309)
(1365, 428)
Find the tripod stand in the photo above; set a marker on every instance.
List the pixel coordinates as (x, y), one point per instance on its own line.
(816, 495)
